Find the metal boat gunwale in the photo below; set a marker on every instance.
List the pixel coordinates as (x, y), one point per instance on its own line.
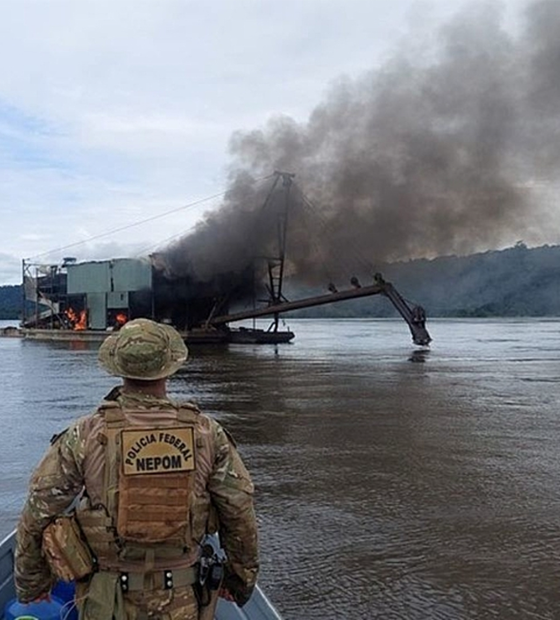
(258, 608)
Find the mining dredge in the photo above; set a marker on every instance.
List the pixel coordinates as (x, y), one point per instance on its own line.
(86, 301)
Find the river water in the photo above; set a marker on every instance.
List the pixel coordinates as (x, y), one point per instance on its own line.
(391, 483)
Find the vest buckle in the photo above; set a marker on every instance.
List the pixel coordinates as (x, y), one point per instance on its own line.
(167, 580)
(123, 579)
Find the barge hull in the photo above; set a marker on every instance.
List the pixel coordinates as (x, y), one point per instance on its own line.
(198, 336)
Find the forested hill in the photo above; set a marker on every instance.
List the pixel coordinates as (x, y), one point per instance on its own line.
(513, 282)
(10, 302)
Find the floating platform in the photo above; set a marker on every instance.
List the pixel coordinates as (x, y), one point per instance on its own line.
(243, 335)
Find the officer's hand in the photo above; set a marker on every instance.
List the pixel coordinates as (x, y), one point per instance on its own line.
(46, 596)
(236, 588)
(226, 594)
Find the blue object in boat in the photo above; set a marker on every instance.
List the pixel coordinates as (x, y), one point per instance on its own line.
(66, 591)
(41, 610)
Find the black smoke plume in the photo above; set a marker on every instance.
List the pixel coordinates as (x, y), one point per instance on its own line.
(443, 151)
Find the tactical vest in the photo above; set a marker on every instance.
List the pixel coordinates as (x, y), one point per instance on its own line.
(155, 506)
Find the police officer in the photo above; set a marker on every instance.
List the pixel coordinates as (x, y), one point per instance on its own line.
(150, 478)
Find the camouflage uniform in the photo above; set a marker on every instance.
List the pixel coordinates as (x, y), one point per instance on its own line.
(75, 462)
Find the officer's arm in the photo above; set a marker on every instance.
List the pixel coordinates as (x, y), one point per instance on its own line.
(55, 483)
(232, 494)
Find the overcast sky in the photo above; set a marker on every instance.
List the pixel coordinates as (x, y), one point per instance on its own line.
(113, 112)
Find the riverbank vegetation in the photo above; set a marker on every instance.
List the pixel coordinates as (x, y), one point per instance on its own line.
(10, 302)
(517, 281)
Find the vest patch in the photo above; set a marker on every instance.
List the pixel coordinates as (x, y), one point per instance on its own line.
(157, 451)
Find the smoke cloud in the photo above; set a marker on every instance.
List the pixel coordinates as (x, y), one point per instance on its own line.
(432, 153)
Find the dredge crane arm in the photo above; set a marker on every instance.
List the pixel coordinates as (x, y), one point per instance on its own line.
(415, 316)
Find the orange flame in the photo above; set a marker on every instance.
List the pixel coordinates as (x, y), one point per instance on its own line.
(121, 319)
(78, 321)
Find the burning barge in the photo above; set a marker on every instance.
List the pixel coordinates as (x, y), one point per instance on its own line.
(87, 301)
(195, 288)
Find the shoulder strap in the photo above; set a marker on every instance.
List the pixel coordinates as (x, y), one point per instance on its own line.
(113, 415)
(111, 412)
(187, 412)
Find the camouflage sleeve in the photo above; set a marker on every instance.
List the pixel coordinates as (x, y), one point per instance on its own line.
(55, 483)
(232, 494)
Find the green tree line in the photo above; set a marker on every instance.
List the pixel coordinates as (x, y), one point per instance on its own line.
(517, 281)
(10, 302)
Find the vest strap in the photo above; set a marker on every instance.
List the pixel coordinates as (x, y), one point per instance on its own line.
(158, 580)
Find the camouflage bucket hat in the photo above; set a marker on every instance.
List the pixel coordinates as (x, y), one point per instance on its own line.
(144, 350)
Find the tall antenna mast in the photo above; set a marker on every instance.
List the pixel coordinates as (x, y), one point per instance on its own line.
(276, 264)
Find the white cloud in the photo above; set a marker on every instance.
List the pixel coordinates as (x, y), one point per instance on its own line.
(32, 237)
(10, 269)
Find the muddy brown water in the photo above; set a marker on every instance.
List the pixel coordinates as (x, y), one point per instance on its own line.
(392, 483)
